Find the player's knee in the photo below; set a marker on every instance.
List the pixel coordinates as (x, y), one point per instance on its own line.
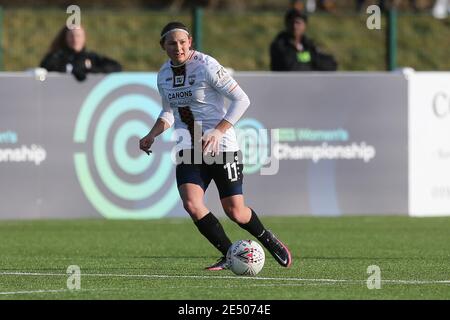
(194, 208)
(236, 214)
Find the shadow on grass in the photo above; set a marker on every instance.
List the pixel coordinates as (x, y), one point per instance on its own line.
(363, 258)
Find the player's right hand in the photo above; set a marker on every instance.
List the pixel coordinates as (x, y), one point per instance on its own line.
(145, 144)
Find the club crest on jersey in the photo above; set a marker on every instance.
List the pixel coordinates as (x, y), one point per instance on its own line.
(179, 80)
(191, 79)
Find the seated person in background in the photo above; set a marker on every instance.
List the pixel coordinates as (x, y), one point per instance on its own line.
(68, 54)
(291, 50)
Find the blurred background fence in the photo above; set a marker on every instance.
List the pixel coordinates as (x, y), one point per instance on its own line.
(237, 33)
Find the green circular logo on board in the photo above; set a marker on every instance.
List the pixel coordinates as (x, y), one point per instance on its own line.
(118, 184)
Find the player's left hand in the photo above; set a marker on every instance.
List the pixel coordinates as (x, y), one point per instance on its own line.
(211, 140)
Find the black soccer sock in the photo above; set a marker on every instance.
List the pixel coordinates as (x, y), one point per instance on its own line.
(255, 227)
(211, 228)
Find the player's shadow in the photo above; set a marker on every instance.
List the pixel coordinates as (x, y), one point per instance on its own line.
(174, 257)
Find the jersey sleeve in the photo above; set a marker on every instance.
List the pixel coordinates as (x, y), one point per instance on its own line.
(218, 77)
(167, 112)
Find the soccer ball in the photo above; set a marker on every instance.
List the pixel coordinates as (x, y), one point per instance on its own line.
(246, 257)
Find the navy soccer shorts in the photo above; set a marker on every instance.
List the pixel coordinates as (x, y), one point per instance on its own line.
(225, 168)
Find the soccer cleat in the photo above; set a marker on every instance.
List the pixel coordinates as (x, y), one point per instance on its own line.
(277, 249)
(221, 264)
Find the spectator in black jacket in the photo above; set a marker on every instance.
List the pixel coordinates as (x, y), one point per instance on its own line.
(292, 50)
(68, 54)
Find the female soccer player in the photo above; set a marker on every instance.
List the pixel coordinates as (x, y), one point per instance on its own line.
(192, 86)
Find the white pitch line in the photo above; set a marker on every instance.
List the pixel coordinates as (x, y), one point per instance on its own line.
(55, 291)
(33, 291)
(109, 275)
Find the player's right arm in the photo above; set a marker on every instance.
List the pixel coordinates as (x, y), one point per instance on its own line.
(164, 122)
(146, 142)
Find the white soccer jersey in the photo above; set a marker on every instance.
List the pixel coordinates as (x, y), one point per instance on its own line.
(193, 98)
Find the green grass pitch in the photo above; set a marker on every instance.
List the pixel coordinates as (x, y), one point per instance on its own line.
(164, 259)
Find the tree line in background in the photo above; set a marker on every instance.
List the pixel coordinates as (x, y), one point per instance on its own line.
(240, 5)
(131, 37)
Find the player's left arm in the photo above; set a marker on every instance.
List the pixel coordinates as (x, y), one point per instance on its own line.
(220, 79)
(224, 83)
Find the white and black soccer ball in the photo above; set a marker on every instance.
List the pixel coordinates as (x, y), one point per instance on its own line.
(246, 257)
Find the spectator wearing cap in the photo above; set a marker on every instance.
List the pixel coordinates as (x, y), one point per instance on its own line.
(292, 50)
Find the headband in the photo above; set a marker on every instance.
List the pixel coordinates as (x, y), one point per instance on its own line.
(172, 30)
